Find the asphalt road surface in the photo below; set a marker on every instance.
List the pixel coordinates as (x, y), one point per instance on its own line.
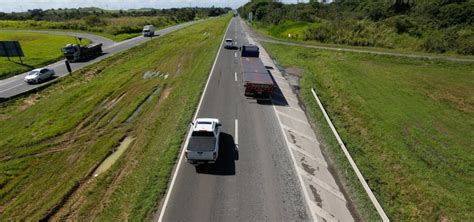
(254, 178)
(15, 85)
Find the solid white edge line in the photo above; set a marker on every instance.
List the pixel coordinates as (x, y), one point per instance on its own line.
(235, 76)
(168, 194)
(367, 189)
(236, 140)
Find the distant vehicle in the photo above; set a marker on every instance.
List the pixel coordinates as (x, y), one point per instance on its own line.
(203, 145)
(256, 78)
(230, 44)
(39, 75)
(76, 52)
(148, 30)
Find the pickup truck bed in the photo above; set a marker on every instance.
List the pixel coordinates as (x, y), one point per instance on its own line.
(201, 144)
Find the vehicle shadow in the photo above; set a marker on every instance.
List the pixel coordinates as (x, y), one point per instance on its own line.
(225, 164)
(276, 98)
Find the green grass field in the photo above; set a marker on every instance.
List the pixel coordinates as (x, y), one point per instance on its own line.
(408, 123)
(53, 140)
(117, 29)
(402, 43)
(39, 49)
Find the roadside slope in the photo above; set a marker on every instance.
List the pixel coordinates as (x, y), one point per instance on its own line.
(406, 122)
(148, 93)
(40, 49)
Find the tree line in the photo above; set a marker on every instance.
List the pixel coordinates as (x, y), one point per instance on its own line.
(437, 25)
(178, 14)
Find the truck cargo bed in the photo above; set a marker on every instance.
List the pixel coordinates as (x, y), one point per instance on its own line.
(255, 72)
(201, 143)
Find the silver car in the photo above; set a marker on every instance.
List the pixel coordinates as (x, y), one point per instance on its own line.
(230, 44)
(39, 75)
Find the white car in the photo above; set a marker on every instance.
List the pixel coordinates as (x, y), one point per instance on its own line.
(39, 75)
(230, 44)
(203, 145)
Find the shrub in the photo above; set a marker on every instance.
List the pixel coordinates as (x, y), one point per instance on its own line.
(465, 42)
(356, 33)
(434, 42)
(94, 20)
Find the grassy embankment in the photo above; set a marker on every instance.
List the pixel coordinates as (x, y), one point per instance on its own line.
(39, 49)
(117, 29)
(408, 123)
(53, 140)
(400, 43)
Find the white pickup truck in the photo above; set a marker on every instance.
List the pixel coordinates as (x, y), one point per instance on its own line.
(203, 144)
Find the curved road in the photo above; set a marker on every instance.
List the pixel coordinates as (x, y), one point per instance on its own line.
(94, 38)
(15, 85)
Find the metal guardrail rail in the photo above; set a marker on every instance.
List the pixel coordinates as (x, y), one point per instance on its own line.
(367, 189)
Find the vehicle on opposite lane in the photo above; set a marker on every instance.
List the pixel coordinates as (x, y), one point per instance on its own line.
(203, 144)
(148, 31)
(76, 52)
(39, 75)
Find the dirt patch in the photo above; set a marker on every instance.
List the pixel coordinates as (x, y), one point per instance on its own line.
(29, 101)
(294, 71)
(110, 104)
(456, 101)
(164, 95)
(4, 117)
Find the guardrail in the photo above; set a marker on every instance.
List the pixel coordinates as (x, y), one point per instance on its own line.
(351, 161)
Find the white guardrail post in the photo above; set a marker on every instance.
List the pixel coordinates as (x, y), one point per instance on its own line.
(351, 161)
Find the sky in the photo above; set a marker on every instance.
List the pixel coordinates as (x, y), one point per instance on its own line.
(24, 5)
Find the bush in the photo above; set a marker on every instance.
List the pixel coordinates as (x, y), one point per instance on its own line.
(321, 33)
(94, 20)
(465, 42)
(355, 33)
(434, 42)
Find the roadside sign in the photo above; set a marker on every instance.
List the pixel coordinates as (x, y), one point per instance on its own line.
(11, 49)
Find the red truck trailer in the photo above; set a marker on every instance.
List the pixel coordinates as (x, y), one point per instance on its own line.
(256, 78)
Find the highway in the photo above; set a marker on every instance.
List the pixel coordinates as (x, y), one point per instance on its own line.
(254, 178)
(15, 85)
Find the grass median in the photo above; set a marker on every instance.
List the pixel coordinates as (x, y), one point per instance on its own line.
(406, 122)
(53, 141)
(39, 49)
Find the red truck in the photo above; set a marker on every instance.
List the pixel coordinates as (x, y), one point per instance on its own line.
(256, 78)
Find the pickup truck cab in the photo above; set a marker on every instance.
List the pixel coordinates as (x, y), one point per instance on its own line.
(203, 144)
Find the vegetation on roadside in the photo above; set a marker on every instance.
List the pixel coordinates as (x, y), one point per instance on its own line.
(434, 26)
(406, 122)
(53, 140)
(117, 25)
(39, 49)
